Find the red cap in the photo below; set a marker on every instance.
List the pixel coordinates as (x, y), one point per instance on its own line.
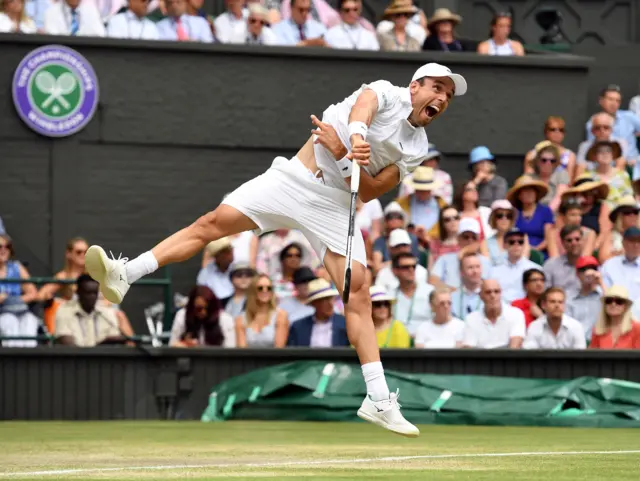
(586, 261)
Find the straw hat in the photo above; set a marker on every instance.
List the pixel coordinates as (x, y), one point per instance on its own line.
(219, 245)
(442, 15)
(615, 148)
(423, 179)
(320, 289)
(627, 201)
(617, 291)
(585, 183)
(547, 144)
(379, 294)
(523, 182)
(399, 6)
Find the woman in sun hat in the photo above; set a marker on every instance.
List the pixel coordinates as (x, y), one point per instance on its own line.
(602, 154)
(441, 33)
(534, 219)
(616, 328)
(554, 130)
(623, 216)
(502, 220)
(398, 38)
(546, 168)
(389, 332)
(591, 194)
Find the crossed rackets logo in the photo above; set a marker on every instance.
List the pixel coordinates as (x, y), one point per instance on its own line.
(56, 90)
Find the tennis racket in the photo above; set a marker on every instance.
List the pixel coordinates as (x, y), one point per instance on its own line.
(355, 184)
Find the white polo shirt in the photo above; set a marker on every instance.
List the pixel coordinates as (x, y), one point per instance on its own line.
(440, 336)
(387, 279)
(481, 333)
(570, 336)
(353, 37)
(392, 138)
(413, 311)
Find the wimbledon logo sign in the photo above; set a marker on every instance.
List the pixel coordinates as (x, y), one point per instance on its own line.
(55, 91)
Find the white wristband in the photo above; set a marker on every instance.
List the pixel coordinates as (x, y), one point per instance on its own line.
(358, 128)
(345, 166)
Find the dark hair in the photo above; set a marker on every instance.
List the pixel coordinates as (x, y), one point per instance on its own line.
(550, 291)
(611, 88)
(342, 2)
(213, 335)
(526, 275)
(7, 238)
(443, 232)
(285, 250)
(84, 278)
(569, 229)
(466, 255)
(458, 193)
(570, 204)
(395, 262)
(497, 17)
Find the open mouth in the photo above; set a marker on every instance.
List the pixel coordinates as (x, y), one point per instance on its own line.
(432, 111)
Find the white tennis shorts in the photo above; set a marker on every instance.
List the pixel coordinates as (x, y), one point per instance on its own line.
(289, 196)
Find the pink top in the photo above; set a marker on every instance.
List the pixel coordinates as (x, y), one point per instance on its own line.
(437, 248)
(327, 15)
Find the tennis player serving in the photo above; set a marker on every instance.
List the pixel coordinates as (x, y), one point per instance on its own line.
(379, 126)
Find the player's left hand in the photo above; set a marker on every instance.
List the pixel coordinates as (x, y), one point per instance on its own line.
(360, 150)
(328, 138)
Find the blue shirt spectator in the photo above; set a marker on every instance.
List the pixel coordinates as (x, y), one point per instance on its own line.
(195, 28)
(447, 269)
(534, 226)
(289, 33)
(625, 127)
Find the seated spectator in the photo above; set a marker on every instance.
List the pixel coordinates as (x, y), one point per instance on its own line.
(601, 131)
(560, 271)
(412, 297)
(270, 247)
(534, 219)
(624, 270)
(489, 185)
(14, 18)
(443, 331)
(533, 281)
(296, 306)
(262, 324)
(215, 275)
(601, 154)
(509, 274)
(301, 29)
(446, 270)
(324, 328)
(465, 199)
(132, 23)
(554, 131)
(499, 42)
(241, 275)
(622, 217)
(398, 37)
(616, 327)
(202, 322)
(231, 25)
(496, 325)
(394, 218)
(546, 168)
(350, 34)
(84, 322)
(290, 258)
(444, 188)
(441, 33)
(399, 243)
(501, 220)
(591, 195)
(245, 249)
(369, 219)
(466, 298)
(555, 330)
(73, 267)
(447, 241)
(423, 207)
(15, 317)
(182, 27)
(584, 303)
(570, 213)
(390, 333)
(75, 18)
(194, 7)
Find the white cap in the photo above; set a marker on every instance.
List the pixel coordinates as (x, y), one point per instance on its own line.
(436, 70)
(399, 237)
(469, 225)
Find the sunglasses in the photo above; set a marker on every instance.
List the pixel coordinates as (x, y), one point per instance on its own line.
(264, 288)
(555, 129)
(492, 291)
(257, 20)
(394, 217)
(536, 279)
(293, 254)
(601, 127)
(303, 9)
(381, 304)
(243, 273)
(80, 251)
(548, 160)
(471, 237)
(407, 267)
(405, 15)
(508, 216)
(629, 212)
(588, 268)
(201, 308)
(519, 242)
(349, 10)
(615, 300)
(4, 246)
(451, 219)
(571, 240)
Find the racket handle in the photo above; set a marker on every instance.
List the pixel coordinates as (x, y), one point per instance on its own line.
(355, 177)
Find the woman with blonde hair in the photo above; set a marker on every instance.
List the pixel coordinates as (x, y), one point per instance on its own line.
(13, 18)
(616, 328)
(554, 131)
(625, 215)
(502, 220)
(390, 332)
(262, 324)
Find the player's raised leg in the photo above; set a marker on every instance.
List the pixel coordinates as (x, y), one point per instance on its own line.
(379, 406)
(116, 275)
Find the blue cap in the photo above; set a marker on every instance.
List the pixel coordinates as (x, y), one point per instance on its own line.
(479, 154)
(632, 232)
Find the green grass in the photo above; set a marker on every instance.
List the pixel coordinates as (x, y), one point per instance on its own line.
(314, 451)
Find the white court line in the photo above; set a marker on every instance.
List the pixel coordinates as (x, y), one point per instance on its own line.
(323, 462)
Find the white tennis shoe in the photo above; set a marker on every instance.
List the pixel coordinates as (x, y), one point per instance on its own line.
(109, 272)
(386, 414)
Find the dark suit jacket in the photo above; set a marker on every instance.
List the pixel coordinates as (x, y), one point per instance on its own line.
(432, 43)
(300, 332)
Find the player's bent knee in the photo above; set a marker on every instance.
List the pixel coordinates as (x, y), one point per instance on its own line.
(207, 228)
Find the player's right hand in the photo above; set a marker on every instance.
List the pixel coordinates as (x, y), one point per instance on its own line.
(360, 150)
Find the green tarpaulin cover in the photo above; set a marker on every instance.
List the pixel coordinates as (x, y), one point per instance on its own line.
(317, 391)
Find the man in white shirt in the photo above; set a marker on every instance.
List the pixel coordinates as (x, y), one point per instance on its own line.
(466, 299)
(258, 31)
(75, 18)
(497, 325)
(132, 24)
(509, 274)
(399, 243)
(382, 128)
(412, 296)
(443, 331)
(216, 275)
(231, 26)
(182, 27)
(350, 34)
(555, 330)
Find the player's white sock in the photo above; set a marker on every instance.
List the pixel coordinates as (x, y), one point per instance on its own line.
(141, 266)
(376, 383)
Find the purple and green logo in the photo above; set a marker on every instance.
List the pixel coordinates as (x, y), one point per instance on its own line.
(55, 91)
